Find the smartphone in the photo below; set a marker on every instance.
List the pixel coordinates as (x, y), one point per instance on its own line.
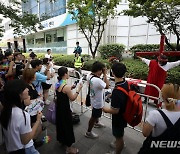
(75, 83)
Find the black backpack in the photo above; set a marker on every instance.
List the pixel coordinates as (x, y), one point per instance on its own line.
(168, 142)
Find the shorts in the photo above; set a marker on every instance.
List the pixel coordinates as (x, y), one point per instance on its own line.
(118, 132)
(96, 113)
(31, 150)
(46, 86)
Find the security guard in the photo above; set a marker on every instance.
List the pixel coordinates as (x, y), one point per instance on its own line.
(78, 63)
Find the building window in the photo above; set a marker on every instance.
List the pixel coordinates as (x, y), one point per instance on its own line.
(40, 41)
(48, 38)
(30, 40)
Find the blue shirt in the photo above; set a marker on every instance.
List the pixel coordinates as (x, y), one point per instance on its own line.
(39, 78)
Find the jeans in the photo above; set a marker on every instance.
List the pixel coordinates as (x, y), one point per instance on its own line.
(31, 150)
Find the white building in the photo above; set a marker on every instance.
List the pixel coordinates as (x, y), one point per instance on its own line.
(60, 33)
(9, 39)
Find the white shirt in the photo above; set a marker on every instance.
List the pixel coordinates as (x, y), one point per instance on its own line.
(51, 70)
(166, 67)
(97, 87)
(47, 56)
(16, 127)
(156, 120)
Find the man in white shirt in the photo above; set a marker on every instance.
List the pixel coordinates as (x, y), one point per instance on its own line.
(48, 55)
(97, 87)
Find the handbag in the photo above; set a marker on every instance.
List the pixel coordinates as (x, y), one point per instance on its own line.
(75, 119)
(88, 100)
(51, 112)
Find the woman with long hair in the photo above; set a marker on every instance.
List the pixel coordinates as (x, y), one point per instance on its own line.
(64, 124)
(159, 122)
(29, 75)
(15, 122)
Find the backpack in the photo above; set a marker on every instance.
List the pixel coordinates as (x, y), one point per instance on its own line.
(134, 109)
(172, 133)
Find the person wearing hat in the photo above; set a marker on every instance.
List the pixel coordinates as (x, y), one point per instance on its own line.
(157, 73)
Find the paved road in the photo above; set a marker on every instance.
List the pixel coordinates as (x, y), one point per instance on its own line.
(133, 139)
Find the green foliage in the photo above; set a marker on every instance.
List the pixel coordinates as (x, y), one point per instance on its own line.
(135, 68)
(164, 14)
(151, 48)
(91, 17)
(64, 60)
(138, 70)
(39, 55)
(109, 50)
(22, 23)
(88, 64)
(173, 76)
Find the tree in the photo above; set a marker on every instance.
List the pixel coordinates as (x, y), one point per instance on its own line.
(164, 14)
(21, 22)
(91, 17)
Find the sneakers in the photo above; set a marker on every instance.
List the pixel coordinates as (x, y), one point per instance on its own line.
(91, 135)
(113, 145)
(99, 125)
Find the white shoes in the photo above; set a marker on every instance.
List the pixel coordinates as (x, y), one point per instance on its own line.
(99, 125)
(91, 135)
(113, 145)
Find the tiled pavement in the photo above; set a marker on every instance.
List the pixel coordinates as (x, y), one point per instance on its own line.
(133, 139)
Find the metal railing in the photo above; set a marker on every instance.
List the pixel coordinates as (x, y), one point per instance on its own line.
(84, 90)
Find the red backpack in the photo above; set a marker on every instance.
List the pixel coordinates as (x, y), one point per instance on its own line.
(134, 109)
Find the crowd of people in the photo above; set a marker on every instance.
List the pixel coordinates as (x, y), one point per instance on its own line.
(24, 82)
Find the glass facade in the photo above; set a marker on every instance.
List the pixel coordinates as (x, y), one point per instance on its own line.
(45, 9)
(54, 39)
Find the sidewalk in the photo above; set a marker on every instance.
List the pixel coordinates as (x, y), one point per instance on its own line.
(133, 139)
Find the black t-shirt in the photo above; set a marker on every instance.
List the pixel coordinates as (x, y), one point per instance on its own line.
(33, 95)
(19, 68)
(119, 101)
(32, 92)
